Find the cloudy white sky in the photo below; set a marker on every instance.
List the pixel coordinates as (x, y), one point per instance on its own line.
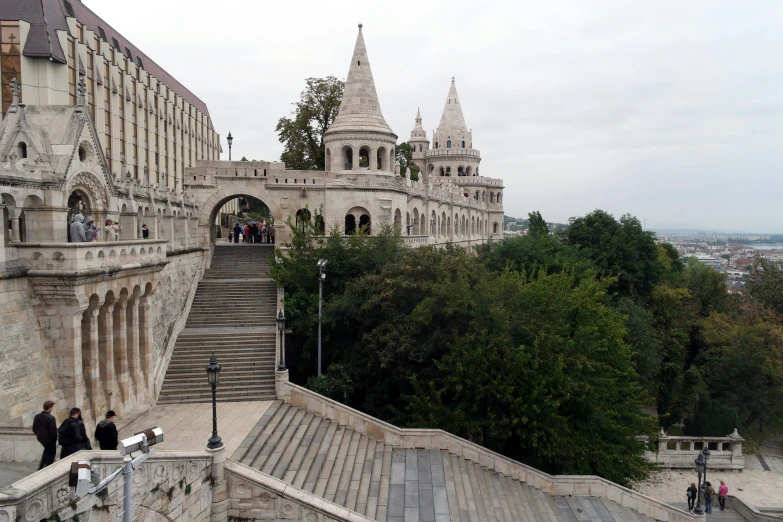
(668, 110)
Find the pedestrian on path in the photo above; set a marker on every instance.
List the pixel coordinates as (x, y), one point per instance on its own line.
(272, 233)
(78, 234)
(691, 492)
(723, 492)
(237, 231)
(106, 432)
(45, 429)
(72, 434)
(709, 492)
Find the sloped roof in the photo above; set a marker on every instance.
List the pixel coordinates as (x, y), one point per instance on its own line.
(452, 122)
(360, 109)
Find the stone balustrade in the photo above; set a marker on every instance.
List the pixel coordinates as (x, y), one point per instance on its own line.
(59, 258)
(680, 452)
(576, 485)
(434, 153)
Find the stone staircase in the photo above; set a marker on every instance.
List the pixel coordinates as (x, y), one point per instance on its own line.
(232, 316)
(356, 471)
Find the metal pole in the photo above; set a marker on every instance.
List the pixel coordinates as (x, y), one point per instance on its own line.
(698, 509)
(127, 472)
(320, 302)
(215, 441)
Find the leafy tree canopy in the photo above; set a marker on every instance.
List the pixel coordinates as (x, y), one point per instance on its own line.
(404, 155)
(537, 227)
(302, 133)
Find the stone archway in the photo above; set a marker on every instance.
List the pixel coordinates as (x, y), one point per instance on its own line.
(228, 191)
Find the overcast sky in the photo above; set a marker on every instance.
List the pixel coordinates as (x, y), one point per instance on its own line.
(668, 110)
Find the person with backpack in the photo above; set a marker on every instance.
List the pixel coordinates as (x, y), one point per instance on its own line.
(106, 432)
(45, 429)
(691, 492)
(709, 493)
(72, 434)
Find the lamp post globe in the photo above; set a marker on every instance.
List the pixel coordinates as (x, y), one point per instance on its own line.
(281, 332)
(213, 377)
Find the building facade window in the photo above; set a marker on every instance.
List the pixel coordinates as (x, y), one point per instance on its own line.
(11, 61)
(71, 71)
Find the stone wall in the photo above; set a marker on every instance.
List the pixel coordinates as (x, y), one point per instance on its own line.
(176, 287)
(170, 486)
(27, 373)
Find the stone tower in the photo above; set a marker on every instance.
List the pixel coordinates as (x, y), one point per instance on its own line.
(452, 153)
(360, 140)
(419, 142)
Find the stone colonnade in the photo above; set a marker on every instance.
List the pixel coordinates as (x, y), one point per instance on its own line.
(100, 337)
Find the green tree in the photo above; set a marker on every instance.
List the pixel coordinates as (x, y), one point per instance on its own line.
(766, 284)
(302, 133)
(529, 253)
(404, 155)
(706, 285)
(537, 227)
(619, 248)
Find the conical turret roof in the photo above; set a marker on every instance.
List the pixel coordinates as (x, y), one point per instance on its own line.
(360, 109)
(418, 130)
(452, 122)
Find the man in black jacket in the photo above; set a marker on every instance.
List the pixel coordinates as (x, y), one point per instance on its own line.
(45, 429)
(72, 434)
(106, 432)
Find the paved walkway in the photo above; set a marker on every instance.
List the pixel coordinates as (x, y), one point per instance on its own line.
(720, 516)
(10, 472)
(189, 426)
(755, 487)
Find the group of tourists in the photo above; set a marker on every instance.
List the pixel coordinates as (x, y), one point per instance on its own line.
(84, 230)
(708, 494)
(72, 434)
(253, 232)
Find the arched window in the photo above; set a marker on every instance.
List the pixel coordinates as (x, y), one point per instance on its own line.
(442, 171)
(430, 168)
(347, 158)
(364, 158)
(398, 221)
(364, 224)
(448, 171)
(460, 170)
(302, 218)
(419, 148)
(22, 149)
(463, 144)
(468, 171)
(380, 159)
(448, 144)
(495, 227)
(491, 197)
(350, 224)
(436, 144)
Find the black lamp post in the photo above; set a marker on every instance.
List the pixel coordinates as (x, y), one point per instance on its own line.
(213, 375)
(230, 140)
(701, 467)
(281, 331)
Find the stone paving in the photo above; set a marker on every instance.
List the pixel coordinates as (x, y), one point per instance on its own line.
(189, 426)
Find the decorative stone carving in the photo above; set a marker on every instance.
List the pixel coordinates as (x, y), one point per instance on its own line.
(312, 517)
(5, 516)
(34, 510)
(63, 495)
(266, 500)
(160, 475)
(92, 186)
(241, 488)
(12, 156)
(289, 510)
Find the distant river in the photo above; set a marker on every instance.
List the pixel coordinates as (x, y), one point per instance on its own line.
(771, 246)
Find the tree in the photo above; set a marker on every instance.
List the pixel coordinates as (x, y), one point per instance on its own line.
(706, 285)
(766, 284)
(302, 134)
(243, 159)
(619, 248)
(404, 155)
(536, 226)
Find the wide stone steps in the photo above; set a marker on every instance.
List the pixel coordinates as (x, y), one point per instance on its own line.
(387, 484)
(233, 316)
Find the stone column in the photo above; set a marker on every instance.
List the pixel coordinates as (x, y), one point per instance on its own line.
(145, 341)
(134, 357)
(90, 359)
(219, 510)
(355, 151)
(120, 345)
(106, 348)
(129, 225)
(372, 161)
(15, 237)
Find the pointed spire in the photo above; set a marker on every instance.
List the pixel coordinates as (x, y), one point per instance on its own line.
(452, 122)
(418, 130)
(360, 109)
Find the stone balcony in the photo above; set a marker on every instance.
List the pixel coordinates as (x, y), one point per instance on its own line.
(65, 259)
(680, 452)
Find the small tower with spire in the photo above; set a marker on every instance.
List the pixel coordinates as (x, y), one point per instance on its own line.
(452, 153)
(419, 142)
(360, 140)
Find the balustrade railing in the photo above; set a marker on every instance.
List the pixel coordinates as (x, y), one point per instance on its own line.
(681, 451)
(58, 257)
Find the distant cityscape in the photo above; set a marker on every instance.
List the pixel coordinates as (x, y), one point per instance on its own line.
(733, 254)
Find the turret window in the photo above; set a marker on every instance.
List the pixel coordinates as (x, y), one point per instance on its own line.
(463, 144)
(448, 144)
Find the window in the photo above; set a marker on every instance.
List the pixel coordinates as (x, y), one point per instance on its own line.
(448, 144)
(22, 150)
(72, 70)
(463, 144)
(91, 83)
(11, 59)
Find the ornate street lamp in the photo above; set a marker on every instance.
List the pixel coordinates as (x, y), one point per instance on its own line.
(230, 140)
(321, 277)
(213, 376)
(701, 468)
(281, 331)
